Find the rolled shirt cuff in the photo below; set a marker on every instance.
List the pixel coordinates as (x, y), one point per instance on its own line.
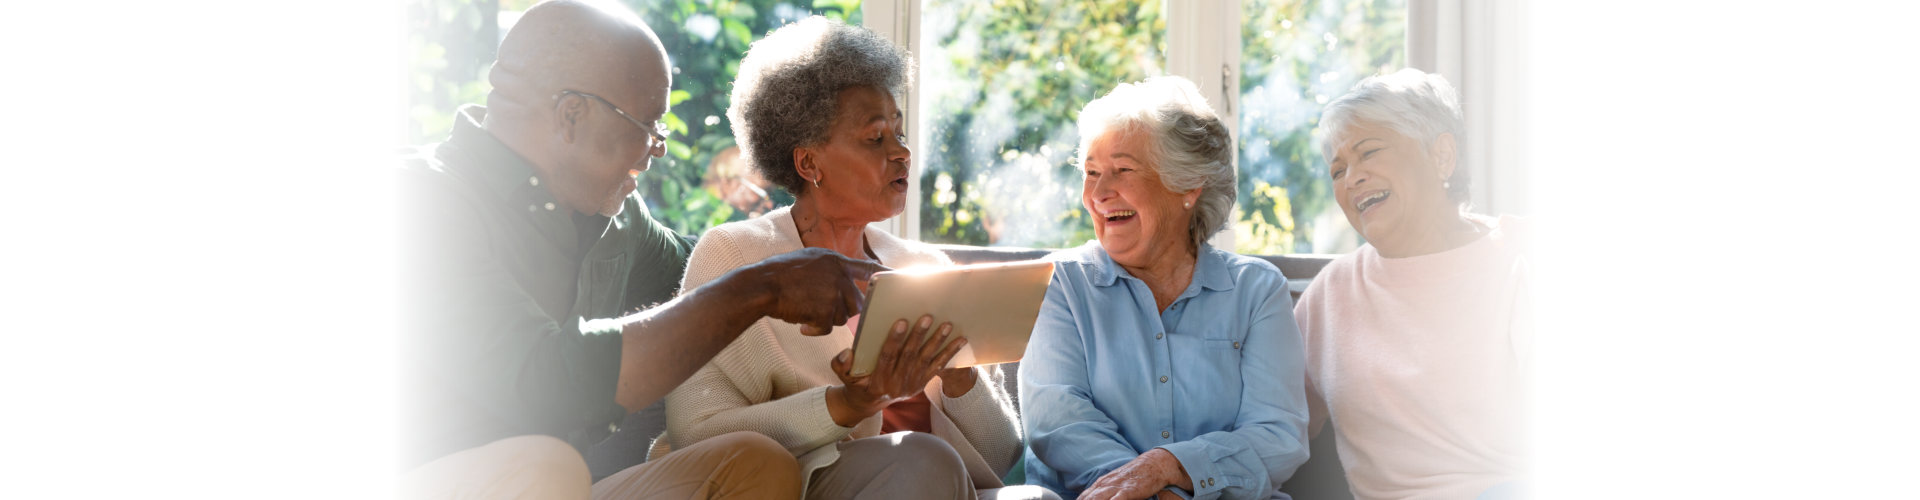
(1207, 478)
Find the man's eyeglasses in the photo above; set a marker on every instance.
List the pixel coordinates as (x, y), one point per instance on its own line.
(658, 132)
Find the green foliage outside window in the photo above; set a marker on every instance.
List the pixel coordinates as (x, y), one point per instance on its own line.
(1295, 56)
(450, 44)
(453, 41)
(1004, 82)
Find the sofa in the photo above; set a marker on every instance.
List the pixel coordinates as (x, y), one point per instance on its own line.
(1321, 477)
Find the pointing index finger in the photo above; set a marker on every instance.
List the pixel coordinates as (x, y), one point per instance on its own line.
(861, 269)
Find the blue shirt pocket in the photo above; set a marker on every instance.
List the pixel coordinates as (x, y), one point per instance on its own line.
(1221, 373)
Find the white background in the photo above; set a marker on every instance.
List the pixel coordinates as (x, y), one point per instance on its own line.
(195, 258)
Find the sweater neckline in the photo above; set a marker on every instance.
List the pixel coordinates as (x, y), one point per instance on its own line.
(1468, 258)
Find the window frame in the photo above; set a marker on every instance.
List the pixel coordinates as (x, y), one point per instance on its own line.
(1471, 42)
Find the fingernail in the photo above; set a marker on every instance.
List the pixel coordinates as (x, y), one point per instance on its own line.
(925, 321)
(842, 357)
(945, 329)
(899, 326)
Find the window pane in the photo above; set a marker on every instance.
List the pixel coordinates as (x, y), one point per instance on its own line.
(1297, 55)
(453, 42)
(1001, 83)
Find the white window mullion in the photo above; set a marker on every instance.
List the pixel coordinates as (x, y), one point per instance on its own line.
(1203, 45)
(899, 20)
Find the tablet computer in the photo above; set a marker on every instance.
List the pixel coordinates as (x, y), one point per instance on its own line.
(993, 306)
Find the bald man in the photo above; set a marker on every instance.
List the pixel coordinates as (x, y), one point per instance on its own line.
(524, 244)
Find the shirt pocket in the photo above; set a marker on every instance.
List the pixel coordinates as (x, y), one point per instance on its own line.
(1224, 352)
(1223, 369)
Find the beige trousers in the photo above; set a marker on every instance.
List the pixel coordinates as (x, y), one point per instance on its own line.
(905, 465)
(738, 465)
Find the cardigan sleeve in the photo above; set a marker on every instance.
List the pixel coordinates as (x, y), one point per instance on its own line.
(720, 398)
(985, 414)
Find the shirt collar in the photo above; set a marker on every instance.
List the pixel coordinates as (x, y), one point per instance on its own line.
(504, 172)
(1209, 271)
(510, 176)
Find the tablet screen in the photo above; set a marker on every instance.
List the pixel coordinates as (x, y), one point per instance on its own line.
(993, 306)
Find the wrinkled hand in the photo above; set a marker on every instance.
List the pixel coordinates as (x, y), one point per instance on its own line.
(1146, 476)
(815, 288)
(908, 360)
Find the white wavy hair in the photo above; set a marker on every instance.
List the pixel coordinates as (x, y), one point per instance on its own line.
(1190, 148)
(1412, 103)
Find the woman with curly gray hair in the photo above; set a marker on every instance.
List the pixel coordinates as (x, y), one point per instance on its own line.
(1161, 365)
(815, 108)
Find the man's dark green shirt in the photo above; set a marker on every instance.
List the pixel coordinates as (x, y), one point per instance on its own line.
(507, 298)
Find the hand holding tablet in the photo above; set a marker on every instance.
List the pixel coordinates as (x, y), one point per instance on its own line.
(908, 359)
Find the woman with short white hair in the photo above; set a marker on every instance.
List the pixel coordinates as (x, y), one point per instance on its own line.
(1161, 365)
(1416, 348)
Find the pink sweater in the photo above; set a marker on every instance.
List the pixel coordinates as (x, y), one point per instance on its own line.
(1421, 363)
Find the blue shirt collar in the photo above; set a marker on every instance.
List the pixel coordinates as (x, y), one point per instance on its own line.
(1209, 271)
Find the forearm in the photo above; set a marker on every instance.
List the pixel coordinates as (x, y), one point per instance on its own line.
(843, 409)
(662, 346)
(1072, 437)
(1249, 462)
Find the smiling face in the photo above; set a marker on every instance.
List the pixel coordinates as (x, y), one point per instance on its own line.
(1389, 186)
(862, 167)
(1138, 220)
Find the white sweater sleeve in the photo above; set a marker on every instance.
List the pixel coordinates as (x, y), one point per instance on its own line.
(722, 396)
(985, 414)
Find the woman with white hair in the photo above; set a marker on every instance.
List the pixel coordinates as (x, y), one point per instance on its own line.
(1161, 365)
(1415, 344)
(816, 112)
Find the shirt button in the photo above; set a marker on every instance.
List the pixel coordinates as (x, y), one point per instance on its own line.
(1163, 379)
(533, 181)
(549, 206)
(1236, 345)
(1165, 434)
(1158, 335)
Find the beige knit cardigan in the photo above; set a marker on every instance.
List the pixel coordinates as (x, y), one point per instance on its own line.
(773, 380)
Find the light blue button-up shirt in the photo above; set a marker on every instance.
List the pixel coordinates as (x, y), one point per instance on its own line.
(1217, 379)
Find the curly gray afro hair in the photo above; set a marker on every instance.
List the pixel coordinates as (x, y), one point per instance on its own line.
(784, 96)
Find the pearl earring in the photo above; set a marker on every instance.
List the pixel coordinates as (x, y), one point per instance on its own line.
(1187, 204)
